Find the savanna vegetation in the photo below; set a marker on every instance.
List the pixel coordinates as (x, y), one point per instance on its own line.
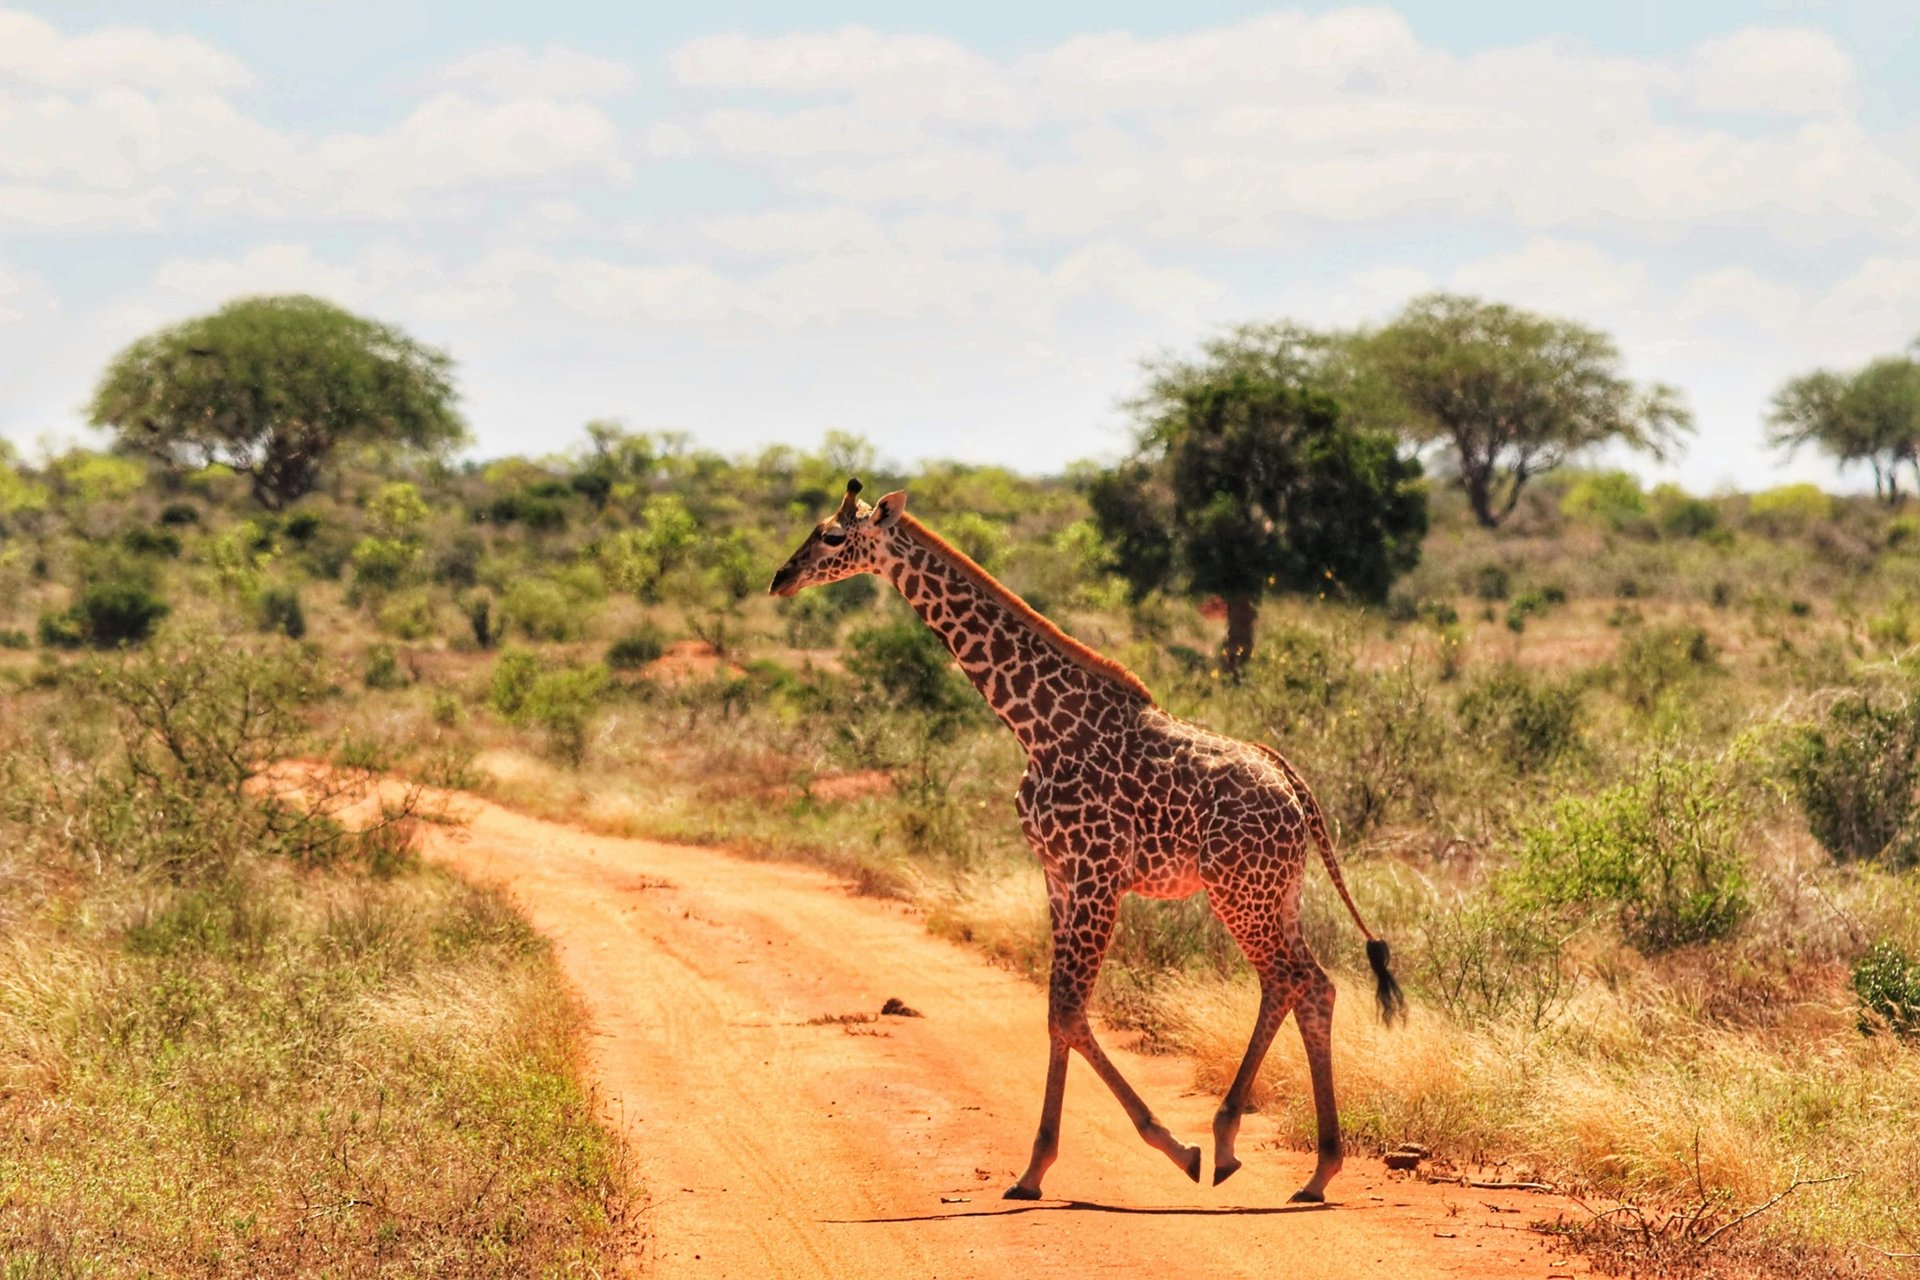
(1630, 776)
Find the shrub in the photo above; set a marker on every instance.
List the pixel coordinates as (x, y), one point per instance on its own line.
(559, 701)
(1491, 960)
(109, 613)
(1888, 986)
(1790, 508)
(561, 704)
(513, 675)
(483, 620)
(1854, 772)
(1492, 582)
(1529, 723)
(1611, 497)
(280, 611)
(177, 513)
(380, 564)
(1681, 515)
(301, 527)
(908, 665)
(637, 648)
(458, 563)
(408, 615)
(383, 669)
(1655, 659)
(1528, 604)
(151, 542)
(539, 510)
(1659, 852)
(541, 609)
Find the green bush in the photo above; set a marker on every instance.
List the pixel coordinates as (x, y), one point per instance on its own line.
(383, 669)
(1492, 582)
(559, 701)
(1655, 659)
(381, 564)
(1791, 508)
(1527, 722)
(1854, 772)
(1492, 960)
(1612, 498)
(910, 666)
(637, 648)
(1887, 983)
(541, 609)
(151, 542)
(280, 611)
(109, 614)
(513, 675)
(409, 615)
(1681, 515)
(483, 620)
(177, 513)
(1659, 853)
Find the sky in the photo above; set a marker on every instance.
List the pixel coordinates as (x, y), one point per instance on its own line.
(956, 230)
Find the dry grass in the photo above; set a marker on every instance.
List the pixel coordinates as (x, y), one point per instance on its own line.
(292, 1073)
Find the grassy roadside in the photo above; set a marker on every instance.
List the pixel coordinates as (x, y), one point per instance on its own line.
(240, 1041)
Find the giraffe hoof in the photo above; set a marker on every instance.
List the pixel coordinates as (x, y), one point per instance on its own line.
(1193, 1163)
(1021, 1193)
(1221, 1172)
(1307, 1195)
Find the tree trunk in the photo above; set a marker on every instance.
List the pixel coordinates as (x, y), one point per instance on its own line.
(1479, 486)
(1241, 611)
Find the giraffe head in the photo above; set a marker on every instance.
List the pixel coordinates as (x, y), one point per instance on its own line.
(854, 539)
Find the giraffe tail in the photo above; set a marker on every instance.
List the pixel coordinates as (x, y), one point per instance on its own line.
(1386, 989)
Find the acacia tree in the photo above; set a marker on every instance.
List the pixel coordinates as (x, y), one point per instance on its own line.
(1510, 394)
(1871, 415)
(1246, 481)
(272, 387)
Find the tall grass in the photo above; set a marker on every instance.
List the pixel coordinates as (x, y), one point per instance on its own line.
(235, 1040)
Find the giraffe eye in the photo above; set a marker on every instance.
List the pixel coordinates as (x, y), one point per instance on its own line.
(833, 537)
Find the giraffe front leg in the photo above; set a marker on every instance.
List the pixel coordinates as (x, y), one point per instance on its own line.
(1082, 931)
(1046, 1142)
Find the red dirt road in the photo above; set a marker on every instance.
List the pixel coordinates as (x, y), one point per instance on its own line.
(772, 1144)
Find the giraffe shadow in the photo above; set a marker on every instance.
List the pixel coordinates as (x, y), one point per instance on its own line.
(1094, 1206)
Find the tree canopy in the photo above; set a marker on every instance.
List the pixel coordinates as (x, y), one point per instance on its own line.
(1247, 481)
(1871, 415)
(271, 387)
(1510, 393)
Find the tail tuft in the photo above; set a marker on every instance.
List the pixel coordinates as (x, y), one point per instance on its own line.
(1393, 1005)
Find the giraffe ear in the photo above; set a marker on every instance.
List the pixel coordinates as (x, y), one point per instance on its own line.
(888, 509)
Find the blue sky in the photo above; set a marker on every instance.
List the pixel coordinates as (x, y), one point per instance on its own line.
(955, 230)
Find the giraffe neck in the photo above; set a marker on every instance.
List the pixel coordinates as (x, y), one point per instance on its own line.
(1050, 689)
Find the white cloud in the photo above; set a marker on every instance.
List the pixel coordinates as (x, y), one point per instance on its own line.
(511, 71)
(34, 53)
(1773, 70)
(131, 128)
(1740, 293)
(1250, 133)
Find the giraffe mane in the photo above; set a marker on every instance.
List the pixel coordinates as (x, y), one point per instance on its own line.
(1080, 654)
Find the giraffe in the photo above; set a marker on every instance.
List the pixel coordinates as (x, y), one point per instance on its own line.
(1121, 797)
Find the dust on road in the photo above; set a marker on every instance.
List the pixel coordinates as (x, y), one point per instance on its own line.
(773, 1140)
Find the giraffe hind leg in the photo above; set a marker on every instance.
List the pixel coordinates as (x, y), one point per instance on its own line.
(1314, 1013)
(1275, 999)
